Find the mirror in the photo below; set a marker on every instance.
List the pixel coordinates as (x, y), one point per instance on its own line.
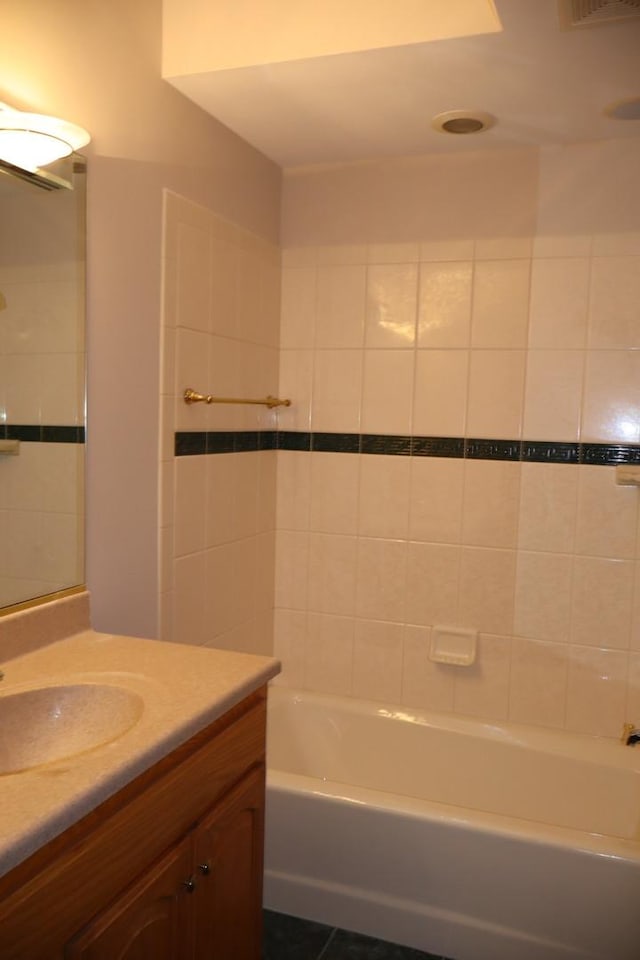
(42, 381)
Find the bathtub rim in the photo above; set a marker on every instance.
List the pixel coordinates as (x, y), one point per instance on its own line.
(586, 747)
(514, 828)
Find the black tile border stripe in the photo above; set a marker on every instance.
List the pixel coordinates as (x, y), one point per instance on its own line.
(336, 442)
(539, 451)
(190, 443)
(438, 447)
(478, 449)
(36, 433)
(384, 444)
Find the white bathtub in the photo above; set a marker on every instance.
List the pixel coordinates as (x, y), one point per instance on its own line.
(477, 841)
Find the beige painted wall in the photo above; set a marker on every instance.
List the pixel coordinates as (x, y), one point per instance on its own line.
(98, 64)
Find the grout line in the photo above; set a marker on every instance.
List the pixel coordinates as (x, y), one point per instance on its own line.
(327, 944)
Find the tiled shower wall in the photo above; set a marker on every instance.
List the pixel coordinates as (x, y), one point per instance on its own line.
(516, 323)
(217, 510)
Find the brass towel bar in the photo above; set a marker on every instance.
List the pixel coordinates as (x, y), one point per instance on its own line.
(191, 396)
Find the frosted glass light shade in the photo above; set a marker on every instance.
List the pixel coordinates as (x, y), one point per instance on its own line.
(33, 140)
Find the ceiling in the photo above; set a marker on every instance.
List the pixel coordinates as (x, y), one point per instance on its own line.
(544, 85)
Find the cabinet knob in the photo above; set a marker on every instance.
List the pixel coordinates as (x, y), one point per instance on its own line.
(205, 869)
(189, 884)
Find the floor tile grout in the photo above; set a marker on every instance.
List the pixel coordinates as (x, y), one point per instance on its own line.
(327, 944)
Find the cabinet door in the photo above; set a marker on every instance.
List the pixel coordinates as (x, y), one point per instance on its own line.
(151, 919)
(229, 862)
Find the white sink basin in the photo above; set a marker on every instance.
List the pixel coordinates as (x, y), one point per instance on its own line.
(53, 723)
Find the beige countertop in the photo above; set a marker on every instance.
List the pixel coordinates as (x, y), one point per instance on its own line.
(183, 689)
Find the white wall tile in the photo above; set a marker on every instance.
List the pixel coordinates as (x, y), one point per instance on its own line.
(381, 581)
(612, 397)
(329, 654)
(295, 384)
(193, 272)
(293, 496)
(189, 624)
(596, 691)
(223, 268)
(425, 684)
(392, 292)
(377, 661)
(548, 505)
(340, 306)
(387, 391)
(289, 645)
(332, 573)
(384, 497)
(444, 306)
(334, 492)
(292, 569)
(607, 515)
(614, 314)
(298, 314)
(500, 310)
(543, 596)
(441, 387)
(496, 393)
(433, 580)
(487, 585)
(435, 510)
(553, 395)
(337, 391)
(601, 602)
(190, 505)
(482, 690)
(491, 503)
(559, 303)
(538, 682)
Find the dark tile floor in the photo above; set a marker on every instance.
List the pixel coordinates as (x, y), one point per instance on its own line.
(289, 938)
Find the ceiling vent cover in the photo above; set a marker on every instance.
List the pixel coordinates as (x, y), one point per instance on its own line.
(591, 13)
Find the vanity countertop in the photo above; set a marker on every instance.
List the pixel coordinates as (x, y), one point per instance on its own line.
(183, 688)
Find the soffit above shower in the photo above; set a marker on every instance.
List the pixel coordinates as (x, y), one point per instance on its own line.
(304, 92)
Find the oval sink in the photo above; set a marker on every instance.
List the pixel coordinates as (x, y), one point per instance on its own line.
(53, 723)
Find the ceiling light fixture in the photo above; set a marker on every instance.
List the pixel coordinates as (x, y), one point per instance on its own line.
(32, 140)
(462, 121)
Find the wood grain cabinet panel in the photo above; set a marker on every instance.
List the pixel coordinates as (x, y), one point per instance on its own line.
(170, 868)
(151, 919)
(229, 861)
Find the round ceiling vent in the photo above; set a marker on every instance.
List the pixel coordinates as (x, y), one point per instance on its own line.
(463, 121)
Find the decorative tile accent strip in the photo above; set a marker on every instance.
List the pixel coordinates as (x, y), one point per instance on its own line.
(246, 441)
(189, 443)
(381, 443)
(609, 453)
(268, 440)
(288, 440)
(336, 442)
(35, 433)
(540, 451)
(475, 449)
(220, 441)
(437, 447)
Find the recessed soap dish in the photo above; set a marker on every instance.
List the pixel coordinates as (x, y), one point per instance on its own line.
(453, 645)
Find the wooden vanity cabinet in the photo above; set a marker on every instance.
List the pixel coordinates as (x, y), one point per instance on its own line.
(170, 868)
